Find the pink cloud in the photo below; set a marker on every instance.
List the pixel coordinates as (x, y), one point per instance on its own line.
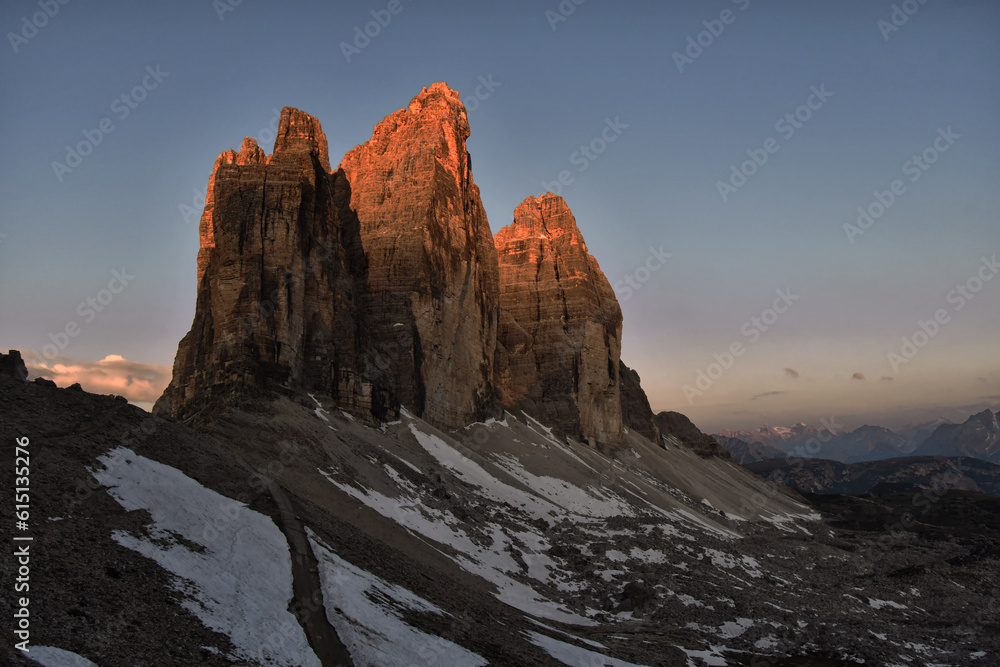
(114, 374)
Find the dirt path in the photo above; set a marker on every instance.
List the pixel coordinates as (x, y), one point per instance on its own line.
(306, 587)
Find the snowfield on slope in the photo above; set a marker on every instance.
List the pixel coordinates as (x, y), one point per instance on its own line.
(523, 478)
(568, 654)
(231, 564)
(50, 656)
(367, 613)
(493, 563)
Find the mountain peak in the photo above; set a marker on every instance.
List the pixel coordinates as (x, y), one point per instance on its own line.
(300, 133)
(436, 94)
(381, 285)
(431, 283)
(547, 218)
(560, 323)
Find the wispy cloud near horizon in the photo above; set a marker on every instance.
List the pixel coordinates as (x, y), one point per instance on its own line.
(114, 374)
(768, 393)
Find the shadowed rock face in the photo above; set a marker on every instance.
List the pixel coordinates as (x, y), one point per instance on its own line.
(380, 284)
(12, 365)
(978, 437)
(279, 271)
(744, 452)
(560, 326)
(376, 284)
(432, 285)
(676, 425)
(636, 413)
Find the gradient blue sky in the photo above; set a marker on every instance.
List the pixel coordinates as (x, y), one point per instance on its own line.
(655, 185)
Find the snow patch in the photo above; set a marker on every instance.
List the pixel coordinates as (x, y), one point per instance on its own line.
(472, 472)
(879, 604)
(493, 563)
(731, 629)
(227, 537)
(49, 656)
(367, 612)
(593, 502)
(574, 655)
(710, 657)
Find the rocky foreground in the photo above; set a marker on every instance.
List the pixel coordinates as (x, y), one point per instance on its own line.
(159, 544)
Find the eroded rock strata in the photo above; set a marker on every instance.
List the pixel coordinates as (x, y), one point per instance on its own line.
(560, 324)
(380, 284)
(279, 272)
(432, 286)
(636, 413)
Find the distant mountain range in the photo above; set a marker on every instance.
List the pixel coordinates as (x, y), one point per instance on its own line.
(978, 437)
(928, 475)
(749, 452)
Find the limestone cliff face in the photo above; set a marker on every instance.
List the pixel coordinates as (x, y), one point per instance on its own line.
(560, 329)
(432, 282)
(279, 272)
(676, 425)
(380, 284)
(13, 365)
(636, 413)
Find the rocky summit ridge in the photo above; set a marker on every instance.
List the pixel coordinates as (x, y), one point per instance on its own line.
(380, 284)
(561, 324)
(432, 288)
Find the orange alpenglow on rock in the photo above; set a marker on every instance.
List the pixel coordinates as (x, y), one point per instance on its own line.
(432, 267)
(560, 324)
(279, 271)
(379, 284)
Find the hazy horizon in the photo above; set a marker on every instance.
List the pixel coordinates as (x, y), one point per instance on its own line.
(898, 120)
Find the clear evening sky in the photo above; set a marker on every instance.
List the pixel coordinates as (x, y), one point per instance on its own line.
(739, 137)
